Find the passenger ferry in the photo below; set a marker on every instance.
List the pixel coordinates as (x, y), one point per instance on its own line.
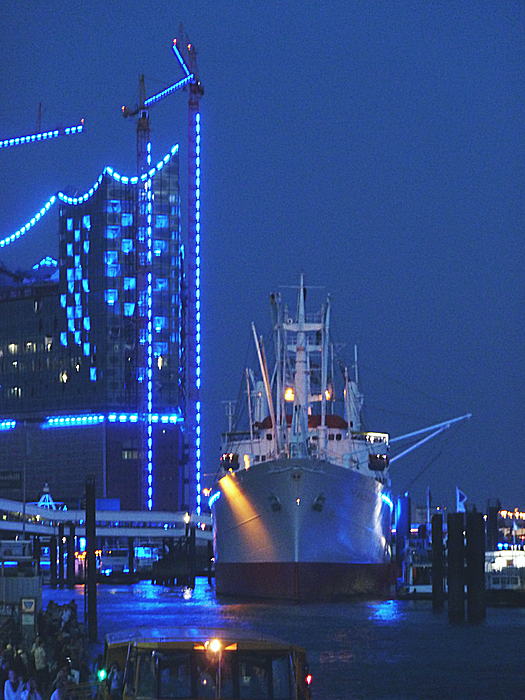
(193, 663)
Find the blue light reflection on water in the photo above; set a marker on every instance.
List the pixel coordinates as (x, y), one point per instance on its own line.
(395, 650)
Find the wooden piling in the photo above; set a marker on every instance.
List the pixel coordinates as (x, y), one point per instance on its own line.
(438, 563)
(456, 567)
(476, 605)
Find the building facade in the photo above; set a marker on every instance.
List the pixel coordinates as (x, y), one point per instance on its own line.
(92, 350)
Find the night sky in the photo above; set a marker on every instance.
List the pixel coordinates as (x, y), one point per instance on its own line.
(377, 147)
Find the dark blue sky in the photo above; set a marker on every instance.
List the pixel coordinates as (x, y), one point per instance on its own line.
(375, 146)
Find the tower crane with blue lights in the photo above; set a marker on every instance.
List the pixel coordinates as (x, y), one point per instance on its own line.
(186, 55)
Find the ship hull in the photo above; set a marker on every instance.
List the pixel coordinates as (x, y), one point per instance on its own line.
(303, 530)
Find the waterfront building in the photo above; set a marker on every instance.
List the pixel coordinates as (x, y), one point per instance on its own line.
(92, 351)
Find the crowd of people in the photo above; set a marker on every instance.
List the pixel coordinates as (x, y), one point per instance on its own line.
(58, 658)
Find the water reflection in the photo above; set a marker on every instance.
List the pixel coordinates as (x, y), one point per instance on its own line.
(388, 611)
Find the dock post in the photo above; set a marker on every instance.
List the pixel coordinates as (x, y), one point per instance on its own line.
(438, 563)
(476, 606)
(193, 556)
(61, 553)
(91, 543)
(53, 561)
(210, 557)
(131, 557)
(456, 567)
(71, 557)
(37, 552)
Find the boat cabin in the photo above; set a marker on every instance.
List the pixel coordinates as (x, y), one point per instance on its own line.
(191, 663)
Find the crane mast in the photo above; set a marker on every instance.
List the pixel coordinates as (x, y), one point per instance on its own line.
(185, 53)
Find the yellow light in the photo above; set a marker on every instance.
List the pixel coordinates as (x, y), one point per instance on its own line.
(186, 518)
(327, 395)
(288, 394)
(246, 461)
(213, 645)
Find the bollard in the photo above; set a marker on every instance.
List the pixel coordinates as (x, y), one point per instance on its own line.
(438, 563)
(476, 606)
(456, 567)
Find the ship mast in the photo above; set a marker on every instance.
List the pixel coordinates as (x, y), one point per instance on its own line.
(299, 431)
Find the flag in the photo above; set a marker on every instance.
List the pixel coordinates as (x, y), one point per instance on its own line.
(460, 501)
(515, 525)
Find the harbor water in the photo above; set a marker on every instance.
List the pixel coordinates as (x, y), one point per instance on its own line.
(394, 650)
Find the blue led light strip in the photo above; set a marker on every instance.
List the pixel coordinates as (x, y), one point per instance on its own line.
(180, 59)
(97, 418)
(160, 95)
(83, 198)
(149, 336)
(7, 424)
(214, 498)
(42, 136)
(198, 307)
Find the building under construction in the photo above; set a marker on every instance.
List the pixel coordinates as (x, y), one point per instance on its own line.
(100, 349)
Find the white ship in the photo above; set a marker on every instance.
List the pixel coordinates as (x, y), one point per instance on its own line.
(302, 505)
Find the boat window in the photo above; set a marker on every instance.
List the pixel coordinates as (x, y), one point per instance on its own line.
(146, 680)
(175, 676)
(262, 678)
(338, 436)
(331, 436)
(268, 436)
(212, 683)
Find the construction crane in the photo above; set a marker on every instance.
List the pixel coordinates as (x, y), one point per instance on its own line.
(40, 135)
(186, 55)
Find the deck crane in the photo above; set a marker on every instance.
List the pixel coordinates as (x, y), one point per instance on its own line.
(186, 55)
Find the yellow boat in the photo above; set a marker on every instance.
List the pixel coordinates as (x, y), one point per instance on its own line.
(154, 663)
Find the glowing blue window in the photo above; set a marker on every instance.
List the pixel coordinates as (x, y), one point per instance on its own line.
(129, 309)
(71, 325)
(112, 231)
(63, 300)
(77, 234)
(142, 336)
(126, 220)
(161, 221)
(160, 349)
(85, 285)
(77, 299)
(130, 283)
(126, 245)
(113, 206)
(93, 374)
(77, 337)
(69, 249)
(69, 274)
(111, 296)
(86, 247)
(141, 235)
(111, 257)
(77, 260)
(87, 323)
(161, 284)
(71, 287)
(69, 224)
(86, 349)
(63, 338)
(160, 322)
(78, 312)
(86, 221)
(78, 273)
(160, 247)
(113, 270)
(69, 312)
